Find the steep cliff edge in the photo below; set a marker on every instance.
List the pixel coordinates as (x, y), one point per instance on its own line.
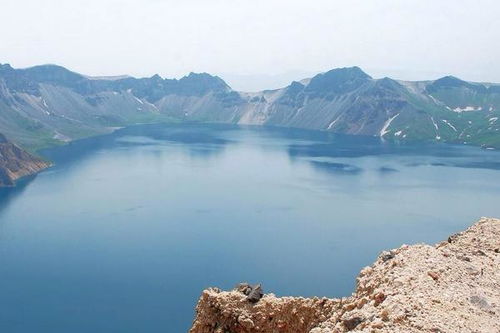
(16, 163)
(453, 286)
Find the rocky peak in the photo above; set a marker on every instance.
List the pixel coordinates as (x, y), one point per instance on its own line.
(294, 88)
(204, 78)
(5, 67)
(449, 82)
(340, 80)
(156, 77)
(201, 83)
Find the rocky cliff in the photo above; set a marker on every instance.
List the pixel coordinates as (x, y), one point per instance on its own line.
(453, 286)
(16, 163)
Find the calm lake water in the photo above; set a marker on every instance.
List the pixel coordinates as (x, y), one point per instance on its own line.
(124, 233)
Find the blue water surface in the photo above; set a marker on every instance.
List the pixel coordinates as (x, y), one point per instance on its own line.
(126, 230)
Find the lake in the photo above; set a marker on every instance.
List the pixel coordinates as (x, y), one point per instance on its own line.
(127, 229)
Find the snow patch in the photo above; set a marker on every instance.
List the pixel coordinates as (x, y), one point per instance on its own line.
(333, 122)
(138, 100)
(435, 124)
(59, 136)
(449, 124)
(45, 104)
(434, 100)
(467, 109)
(152, 105)
(385, 128)
(439, 102)
(438, 137)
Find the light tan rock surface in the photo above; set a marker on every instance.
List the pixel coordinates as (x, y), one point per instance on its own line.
(452, 287)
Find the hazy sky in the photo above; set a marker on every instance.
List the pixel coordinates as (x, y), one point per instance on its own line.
(269, 40)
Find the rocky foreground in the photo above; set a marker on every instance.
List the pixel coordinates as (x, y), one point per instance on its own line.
(16, 163)
(453, 286)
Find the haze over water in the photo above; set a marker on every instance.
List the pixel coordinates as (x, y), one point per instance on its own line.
(124, 233)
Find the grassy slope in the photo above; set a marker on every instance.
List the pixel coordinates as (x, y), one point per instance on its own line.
(471, 127)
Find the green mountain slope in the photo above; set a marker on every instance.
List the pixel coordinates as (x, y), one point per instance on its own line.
(47, 105)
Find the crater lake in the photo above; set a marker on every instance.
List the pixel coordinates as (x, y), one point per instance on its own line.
(127, 229)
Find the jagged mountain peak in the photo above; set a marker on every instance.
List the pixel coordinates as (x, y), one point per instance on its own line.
(296, 84)
(157, 77)
(200, 74)
(203, 76)
(387, 82)
(5, 67)
(203, 82)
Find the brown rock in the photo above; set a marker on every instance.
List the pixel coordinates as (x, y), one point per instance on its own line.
(433, 275)
(379, 298)
(384, 314)
(16, 163)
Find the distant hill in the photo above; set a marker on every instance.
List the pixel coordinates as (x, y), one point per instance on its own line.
(46, 105)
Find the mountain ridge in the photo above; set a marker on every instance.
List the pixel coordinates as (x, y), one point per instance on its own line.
(48, 104)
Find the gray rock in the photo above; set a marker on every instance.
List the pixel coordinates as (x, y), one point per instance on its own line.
(255, 294)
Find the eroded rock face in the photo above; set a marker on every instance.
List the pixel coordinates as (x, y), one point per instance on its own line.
(453, 286)
(16, 163)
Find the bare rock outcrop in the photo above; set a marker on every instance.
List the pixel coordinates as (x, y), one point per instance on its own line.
(16, 163)
(453, 286)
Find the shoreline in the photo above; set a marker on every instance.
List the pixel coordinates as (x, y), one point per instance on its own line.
(39, 152)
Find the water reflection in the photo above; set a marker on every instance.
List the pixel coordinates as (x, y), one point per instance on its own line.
(387, 170)
(348, 147)
(336, 168)
(8, 194)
